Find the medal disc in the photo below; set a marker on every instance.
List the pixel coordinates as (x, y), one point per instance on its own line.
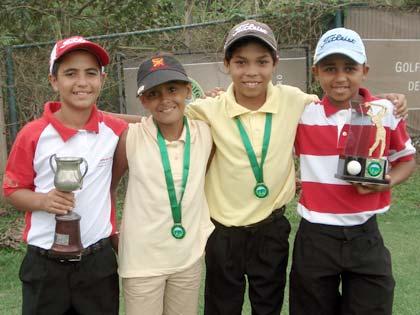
(260, 190)
(178, 231)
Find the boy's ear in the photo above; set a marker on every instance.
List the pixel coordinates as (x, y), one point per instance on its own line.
(104, 75)
(365, 71)
(53, 81)
(276, 62)
(143, 101)
(189, 88)
(226, 63)
(315, 71)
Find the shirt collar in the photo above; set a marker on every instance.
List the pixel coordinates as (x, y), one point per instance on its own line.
(151, 128)
(65, 132)
(234, 109)
(331, 109)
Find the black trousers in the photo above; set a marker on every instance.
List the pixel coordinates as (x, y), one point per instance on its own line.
(259, 252)
(52, 287)
(325, 257)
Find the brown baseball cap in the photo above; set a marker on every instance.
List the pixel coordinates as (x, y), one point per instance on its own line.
(251, 28)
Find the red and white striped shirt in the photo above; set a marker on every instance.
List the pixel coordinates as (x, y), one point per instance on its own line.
(28, 168)
(320, 139)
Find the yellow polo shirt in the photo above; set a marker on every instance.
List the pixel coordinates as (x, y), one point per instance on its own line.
(147, 247)
(230, 181)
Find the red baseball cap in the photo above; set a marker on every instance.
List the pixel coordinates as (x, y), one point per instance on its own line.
(67, 45)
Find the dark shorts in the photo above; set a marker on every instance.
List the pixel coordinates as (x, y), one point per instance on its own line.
(51, 286)
(326, 257)
(258, 253)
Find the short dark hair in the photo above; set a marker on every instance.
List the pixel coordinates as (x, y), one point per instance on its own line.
(246, 41)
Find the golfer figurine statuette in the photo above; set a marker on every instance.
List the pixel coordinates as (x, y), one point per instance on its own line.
(362, 159)
(67, 178)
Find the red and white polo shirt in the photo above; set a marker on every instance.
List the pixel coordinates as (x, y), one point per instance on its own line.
(28, 167)
(320, 139)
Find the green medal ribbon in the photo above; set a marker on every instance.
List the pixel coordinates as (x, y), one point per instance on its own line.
(260, 190)
(177, 230)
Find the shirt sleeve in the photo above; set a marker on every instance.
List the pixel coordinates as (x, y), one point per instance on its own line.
(19, 172)
(400, 147)
(201, 109)
(116, 124)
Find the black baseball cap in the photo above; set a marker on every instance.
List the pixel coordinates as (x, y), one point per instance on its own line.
(157, 70)
(251, 28)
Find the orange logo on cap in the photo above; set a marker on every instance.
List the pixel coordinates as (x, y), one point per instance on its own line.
(158, 62)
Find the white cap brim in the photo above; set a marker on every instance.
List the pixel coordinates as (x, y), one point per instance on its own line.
(357, 57)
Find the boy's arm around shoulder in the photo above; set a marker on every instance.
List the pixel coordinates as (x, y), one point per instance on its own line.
(120, 163)
(307, 98)
(131, 119)
(204, 108)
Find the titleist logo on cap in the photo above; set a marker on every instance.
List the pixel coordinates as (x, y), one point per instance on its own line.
(72, 40)
(337, 37)
(248, 27)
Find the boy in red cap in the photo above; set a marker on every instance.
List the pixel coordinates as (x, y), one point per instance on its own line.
(87, 284)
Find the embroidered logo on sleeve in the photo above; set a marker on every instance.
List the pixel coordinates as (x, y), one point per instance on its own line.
(9, 182)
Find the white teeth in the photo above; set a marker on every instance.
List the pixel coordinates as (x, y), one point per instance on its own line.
(167, 109)
(81, 93)
(251, 84)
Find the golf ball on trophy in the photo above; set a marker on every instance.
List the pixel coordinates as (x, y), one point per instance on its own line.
(354, 167)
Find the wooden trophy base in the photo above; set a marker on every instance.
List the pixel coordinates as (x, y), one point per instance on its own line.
(67, 243)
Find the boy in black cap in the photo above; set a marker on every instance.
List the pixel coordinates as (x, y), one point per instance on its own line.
(166, 220)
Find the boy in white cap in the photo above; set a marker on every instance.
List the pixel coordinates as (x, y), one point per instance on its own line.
(338, 240)
(72, 127)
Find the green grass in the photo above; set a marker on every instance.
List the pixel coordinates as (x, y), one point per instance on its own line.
(400, 228)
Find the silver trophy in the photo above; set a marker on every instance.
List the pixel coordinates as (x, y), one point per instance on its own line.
(67, 178)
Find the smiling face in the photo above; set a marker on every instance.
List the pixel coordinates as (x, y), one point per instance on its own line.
(166, 102)
(251, 68)
(78, 80)
(340, 78)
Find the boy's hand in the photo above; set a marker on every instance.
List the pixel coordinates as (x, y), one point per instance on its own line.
(364, 189)
(58, 202)
(400, 104)
(298, 184)
(213, 92)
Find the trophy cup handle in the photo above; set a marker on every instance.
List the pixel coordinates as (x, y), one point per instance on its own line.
(51, 164)
(86, 168)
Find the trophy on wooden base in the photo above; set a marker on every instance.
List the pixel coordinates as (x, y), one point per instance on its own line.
(366, 134)
(67, 178)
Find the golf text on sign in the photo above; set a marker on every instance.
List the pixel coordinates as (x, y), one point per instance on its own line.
(409, 67)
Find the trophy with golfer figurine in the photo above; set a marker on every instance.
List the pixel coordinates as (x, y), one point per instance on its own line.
(67, 178)
(366, 134)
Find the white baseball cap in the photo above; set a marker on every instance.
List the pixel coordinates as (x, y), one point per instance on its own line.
(341, 41)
